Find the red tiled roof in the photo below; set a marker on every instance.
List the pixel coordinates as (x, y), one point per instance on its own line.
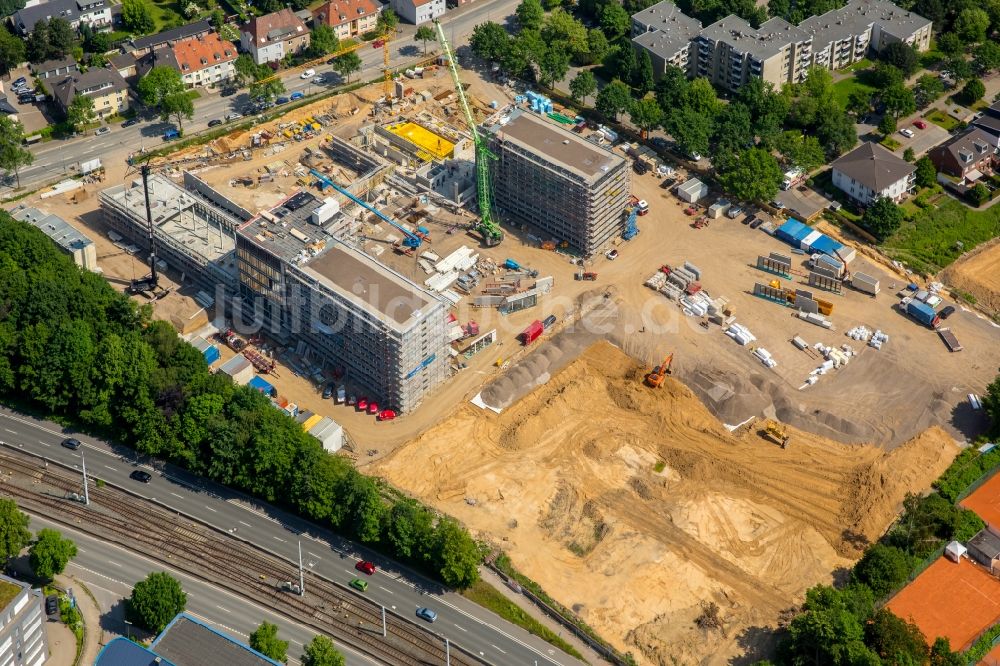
(198, 53)
(275, 27)
(338, 12)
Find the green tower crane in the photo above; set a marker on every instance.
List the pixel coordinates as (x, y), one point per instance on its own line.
(491, 232)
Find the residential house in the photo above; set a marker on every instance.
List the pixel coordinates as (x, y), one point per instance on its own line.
(871, 172)
(418, 11)
(271, 37)
(989, 120)
(126, 65)
(205, 60)
(967, 156)
(103, 85)
(146, 45)
(731, 51)
(348, 18)
(53, 68)
(95, 13)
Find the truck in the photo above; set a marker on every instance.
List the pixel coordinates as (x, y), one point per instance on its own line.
(585, 275)
(532, 333)
(923, 313)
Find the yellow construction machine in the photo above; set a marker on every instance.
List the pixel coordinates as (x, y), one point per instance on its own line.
(777, 432)
(655, 378)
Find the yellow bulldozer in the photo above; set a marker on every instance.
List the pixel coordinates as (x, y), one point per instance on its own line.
(777, 432)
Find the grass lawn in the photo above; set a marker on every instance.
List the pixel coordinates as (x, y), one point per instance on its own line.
(489, 597)
(928, 242)
(890, 143)
(193, 94)
(864, 63)
(941, 119)
(843, 89)
(165, 14)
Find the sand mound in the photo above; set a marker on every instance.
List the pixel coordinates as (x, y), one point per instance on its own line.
(978, 273)
(567, 481)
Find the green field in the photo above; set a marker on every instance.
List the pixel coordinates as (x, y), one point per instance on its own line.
(843, 89)
(941, 119)
(928, 242)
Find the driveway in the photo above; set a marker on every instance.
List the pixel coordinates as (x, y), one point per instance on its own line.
(923, 139)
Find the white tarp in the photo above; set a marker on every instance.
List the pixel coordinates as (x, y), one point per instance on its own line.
(90, 165)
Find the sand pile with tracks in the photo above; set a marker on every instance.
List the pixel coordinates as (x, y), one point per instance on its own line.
(635, 507)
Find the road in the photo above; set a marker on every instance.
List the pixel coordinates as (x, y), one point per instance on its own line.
(402, 591)
(110, 572)
(54, 159)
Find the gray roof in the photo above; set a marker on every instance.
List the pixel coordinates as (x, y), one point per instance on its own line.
(71, 10)
(187, 642)
(172, 35)
(990, 124)
(666, 43)
(54, 65)
(857, 16)
(967, 141)
(664, 16)
(54, 227)
(873, 166)
(79, 83)
(987, 543)
(773, 36)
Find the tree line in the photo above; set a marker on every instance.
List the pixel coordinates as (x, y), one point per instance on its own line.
(73, 348)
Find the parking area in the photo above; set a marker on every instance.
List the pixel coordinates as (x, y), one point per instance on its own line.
(923, 139)
(31, 114)
(802, 202)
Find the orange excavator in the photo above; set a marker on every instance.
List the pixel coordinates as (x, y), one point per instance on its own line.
(655, 378)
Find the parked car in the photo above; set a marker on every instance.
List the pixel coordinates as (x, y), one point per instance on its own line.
(298, 94)
(214, 122)
(358, 584)
(228, 92)
(26, 98)
(130, 122)
(20, 81)
(668, 183)
(51, 604)
(365, 566)
(72, 443)
(611, 254)
(234, 116)
(427, 614)
(102, 130)
(281, 100)
(907, 132)
(946, 311)
(141, 475)
(734, 212)
(920, 124)
(639, 168)
(308, 74)
(327, 391)
(756, 223)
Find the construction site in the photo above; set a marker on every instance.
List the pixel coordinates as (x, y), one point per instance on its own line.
(652, 399)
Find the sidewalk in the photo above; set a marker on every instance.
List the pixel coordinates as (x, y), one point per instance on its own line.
(93, 638)
(534, 611)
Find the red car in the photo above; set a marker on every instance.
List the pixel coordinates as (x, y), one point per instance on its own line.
(920, 124)
(378, 43)
(365, 566)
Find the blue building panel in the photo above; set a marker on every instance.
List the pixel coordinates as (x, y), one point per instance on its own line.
(262, 385)
(123, 652)
(827, 245)
(212, 354)
(792, 231)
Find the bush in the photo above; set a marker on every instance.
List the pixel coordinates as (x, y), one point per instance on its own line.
(978, 195)
(968, 466)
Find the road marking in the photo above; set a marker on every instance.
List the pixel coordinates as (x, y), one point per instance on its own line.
(504, 651)
(176, 495)
(386, 590)
(10, 431)
(314, 555)
(224, 609)
(211, 509)
(460, 628)
(280, 539)
(114, 563)
(44, 443)
(113, 469)
(245, 524)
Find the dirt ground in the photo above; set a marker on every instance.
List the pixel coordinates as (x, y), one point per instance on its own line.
(567, 482)
(978, 273)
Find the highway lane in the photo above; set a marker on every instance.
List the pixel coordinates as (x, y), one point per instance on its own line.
(399, 590)
(110, 572)
(54, 159)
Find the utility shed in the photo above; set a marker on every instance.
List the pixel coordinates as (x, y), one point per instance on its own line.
(955, 551)
(984, 548)
(329, 433)
(208, 350)
(263, 386)
(692, 191)
(239, 369)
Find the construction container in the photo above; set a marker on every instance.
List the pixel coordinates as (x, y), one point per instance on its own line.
(326, 212)
(532, 333)
(923, 313)
(549, 321)
(865, 283)
(718, 209)
(800, 343)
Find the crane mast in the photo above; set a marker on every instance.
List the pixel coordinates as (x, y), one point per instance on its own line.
(487, 227)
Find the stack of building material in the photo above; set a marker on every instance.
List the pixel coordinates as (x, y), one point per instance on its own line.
(878, 339)
(765, 357)
(817, 319)
(461, 259)
(696, 305)
(740, 334)
(441, 281)
(656, 280)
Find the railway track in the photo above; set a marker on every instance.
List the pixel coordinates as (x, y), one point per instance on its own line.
(230, 562)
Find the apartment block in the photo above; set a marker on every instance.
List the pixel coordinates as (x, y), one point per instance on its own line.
(105, 86)
(569, 188)
(350, 312)
(95, 13)
(22, 636)
(731, 51)
(348, 18)
(271, 37)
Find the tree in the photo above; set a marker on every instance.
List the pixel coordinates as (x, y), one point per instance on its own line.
(645, 114)
(321, 652)
(456, 553)
(909, 155)
(986, 57)
(218, 18)
(37, 45)
(991, 403)
(642, 80)
(884, 75)
(859, 102)
(828, 631)
(553, 63)
(971, 25)
(835, 131)
(972, 92)
(12, 50)
(13, 155)
(268, 89)
(691, 131)
(753, 176)
(801, 151)
(927, 89)
(671, 87)
(583, 85)
(50, 554)
(902, 56)
(979, 194)
(887, 125)
(489, 41)
(881, 219)
(424, 34)
(941, 654)
(265, 640)
(387, 21)
(529, 14)
(323, 41)
(14, 534)
(960, 69)
(613, 99)
(926, 174)
(562, 27)
(733, 129)
(624, 63)
(8, 7)
(895, 640)
(347, 64)
(159, 84)
(883, 568)
(137, 17)
(156, 600)
(81, 112)
(616, 23)
(597, 47)
(898, 100)
(950, 44)
(410, 530)
(62, 39)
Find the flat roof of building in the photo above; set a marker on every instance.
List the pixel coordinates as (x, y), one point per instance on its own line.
(557, 145)
(188, 642)
(54, 227)
(772, 36)
(352, 274)
(8, 591)
(855, 17)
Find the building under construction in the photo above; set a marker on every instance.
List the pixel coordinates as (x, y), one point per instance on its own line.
(356, 315)
(569, 188)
